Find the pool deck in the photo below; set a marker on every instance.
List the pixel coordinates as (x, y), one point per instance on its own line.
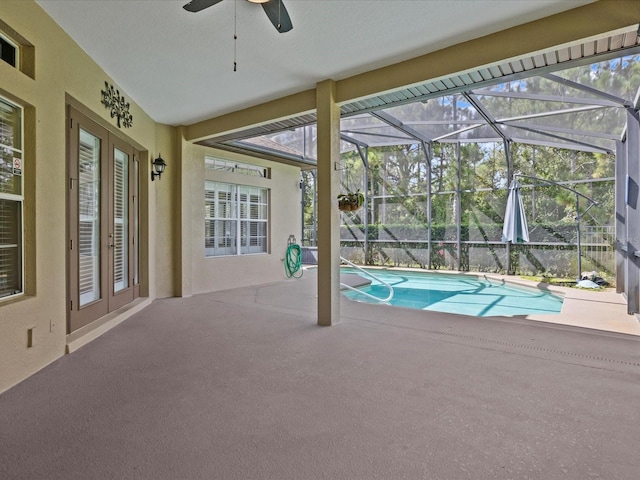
(595, 309)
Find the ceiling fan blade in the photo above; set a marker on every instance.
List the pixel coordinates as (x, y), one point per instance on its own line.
(278, 15)
(197, 5)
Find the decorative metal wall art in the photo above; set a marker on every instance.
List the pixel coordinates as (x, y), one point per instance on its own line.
(116, 103)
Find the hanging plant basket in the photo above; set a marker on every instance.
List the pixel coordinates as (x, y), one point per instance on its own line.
(347, 207)
(350, 201)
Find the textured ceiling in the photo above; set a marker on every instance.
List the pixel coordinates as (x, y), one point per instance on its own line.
(178, 66)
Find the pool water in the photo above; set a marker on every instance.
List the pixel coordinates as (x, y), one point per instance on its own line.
(457, 293)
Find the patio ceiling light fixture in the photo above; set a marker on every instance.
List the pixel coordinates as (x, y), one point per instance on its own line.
(158, 166)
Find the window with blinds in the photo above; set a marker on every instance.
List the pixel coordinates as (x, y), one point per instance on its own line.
(236, 219)
(89, 217)
(11, 199)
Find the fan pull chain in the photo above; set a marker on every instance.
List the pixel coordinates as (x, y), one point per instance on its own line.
(235, 34)
(279, 14)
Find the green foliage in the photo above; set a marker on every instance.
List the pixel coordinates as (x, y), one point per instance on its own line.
(541, 232)
(467, 182)
(351, 200)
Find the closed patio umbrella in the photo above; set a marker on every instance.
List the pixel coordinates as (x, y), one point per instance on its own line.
(515, 229)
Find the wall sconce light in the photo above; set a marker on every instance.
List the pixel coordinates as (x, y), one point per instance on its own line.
(158, 166)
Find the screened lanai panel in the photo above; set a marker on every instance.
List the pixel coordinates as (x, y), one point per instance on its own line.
(483, 215)
(550, 212)
(445, 202)
(605, 123)
(444, 168)
(483, 166)
(352, 179)
(508, 108)
(356, 122)
(541, 87)
(435, 130)
(537, 63)
(449, 108)
(372, 131)
(561, 165)
(585, 142)
(310, 147)
(378, 136)
(531, 160)
(550, 139)
(347, 146)
(437, 118)
(619, 77)
(473, 134)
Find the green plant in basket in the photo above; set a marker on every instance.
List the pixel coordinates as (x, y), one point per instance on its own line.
(350, 201)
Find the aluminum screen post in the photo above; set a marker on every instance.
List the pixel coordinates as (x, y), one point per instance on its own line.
(427, 156)
(578, 246)
(632, 217)
(458, 200)
(507, 158)
(620, 216)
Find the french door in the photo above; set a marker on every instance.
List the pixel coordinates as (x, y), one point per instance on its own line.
(103, 222)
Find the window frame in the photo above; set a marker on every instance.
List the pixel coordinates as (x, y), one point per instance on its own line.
(18, 199)
(231, 166)
(16, 48)
(240, 210)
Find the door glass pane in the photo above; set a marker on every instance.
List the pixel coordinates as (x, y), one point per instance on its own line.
(136, 222)
(120, 221)
(89, 217)
(10, 251)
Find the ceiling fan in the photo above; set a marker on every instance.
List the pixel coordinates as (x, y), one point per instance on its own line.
(274, 9)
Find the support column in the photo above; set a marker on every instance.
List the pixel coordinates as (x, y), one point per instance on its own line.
(183, 260)
(632, 216)
(621, 227)
(328, 124)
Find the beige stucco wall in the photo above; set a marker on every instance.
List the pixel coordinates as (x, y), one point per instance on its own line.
(63, 73)
(172, 209)
(219, 273)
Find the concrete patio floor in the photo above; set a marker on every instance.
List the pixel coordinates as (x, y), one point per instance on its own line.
(242, 384)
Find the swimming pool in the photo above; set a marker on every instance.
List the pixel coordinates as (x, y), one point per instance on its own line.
(457, 293)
